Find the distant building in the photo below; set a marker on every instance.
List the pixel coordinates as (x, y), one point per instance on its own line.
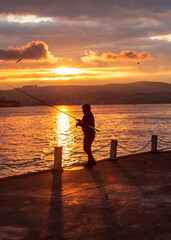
(30, 86)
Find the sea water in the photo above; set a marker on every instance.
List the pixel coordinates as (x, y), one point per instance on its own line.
(28, 135)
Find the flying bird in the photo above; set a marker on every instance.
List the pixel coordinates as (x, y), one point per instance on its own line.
(138, 63)
(19, 60)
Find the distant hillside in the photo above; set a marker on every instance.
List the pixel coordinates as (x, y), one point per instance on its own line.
(135, 93)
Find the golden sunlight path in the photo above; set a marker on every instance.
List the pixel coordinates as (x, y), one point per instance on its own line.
(126, 199)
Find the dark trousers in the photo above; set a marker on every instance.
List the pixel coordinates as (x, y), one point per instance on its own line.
(88, 139)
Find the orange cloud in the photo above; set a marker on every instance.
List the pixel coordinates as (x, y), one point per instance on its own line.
(35, 50)
(93, 57)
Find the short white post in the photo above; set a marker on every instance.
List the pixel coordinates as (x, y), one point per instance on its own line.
(58, 159)
(154, 143)
(113, 149)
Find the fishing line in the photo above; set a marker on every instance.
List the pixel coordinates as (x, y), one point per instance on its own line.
(46, 103)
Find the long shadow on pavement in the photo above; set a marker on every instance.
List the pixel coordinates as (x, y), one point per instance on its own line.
(55, 228)
(111, 227)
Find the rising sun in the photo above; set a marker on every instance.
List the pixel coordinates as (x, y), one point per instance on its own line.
(67, 71)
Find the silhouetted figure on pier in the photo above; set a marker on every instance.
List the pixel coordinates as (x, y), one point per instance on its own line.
(89, 133)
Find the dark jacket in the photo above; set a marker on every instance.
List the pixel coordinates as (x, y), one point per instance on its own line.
(88, 119)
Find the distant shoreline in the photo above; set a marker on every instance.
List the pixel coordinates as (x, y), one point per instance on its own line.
(132, 93)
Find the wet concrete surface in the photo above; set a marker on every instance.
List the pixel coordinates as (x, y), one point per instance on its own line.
(128, 199)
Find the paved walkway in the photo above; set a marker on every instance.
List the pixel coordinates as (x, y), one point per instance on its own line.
(126, 199)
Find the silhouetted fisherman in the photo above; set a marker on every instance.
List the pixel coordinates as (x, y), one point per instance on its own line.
(89, 133)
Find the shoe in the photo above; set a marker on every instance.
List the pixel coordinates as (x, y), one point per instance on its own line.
(93, 164)
(90, 165)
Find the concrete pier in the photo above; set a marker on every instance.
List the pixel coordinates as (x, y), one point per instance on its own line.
(126, 199)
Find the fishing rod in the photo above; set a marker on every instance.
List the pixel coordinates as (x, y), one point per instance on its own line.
(46, 103)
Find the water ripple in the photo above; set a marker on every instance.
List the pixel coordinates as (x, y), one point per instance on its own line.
(28, 134)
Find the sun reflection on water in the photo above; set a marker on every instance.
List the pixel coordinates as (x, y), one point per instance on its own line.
(64, 128)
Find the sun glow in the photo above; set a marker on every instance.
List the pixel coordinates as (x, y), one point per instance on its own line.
(28, 19)
(162, 37)
(67, 71)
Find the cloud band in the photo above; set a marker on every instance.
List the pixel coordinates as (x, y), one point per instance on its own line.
(126, 55)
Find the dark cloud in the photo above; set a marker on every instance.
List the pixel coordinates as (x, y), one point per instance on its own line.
(78, 24)
(81, 33)
(36, 50)
(105, 25)
(80, 8)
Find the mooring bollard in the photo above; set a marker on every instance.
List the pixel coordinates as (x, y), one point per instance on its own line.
(113, 149)
(154, 143)
(58, 159)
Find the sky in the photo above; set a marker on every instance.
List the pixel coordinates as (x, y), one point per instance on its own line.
(84, 42)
